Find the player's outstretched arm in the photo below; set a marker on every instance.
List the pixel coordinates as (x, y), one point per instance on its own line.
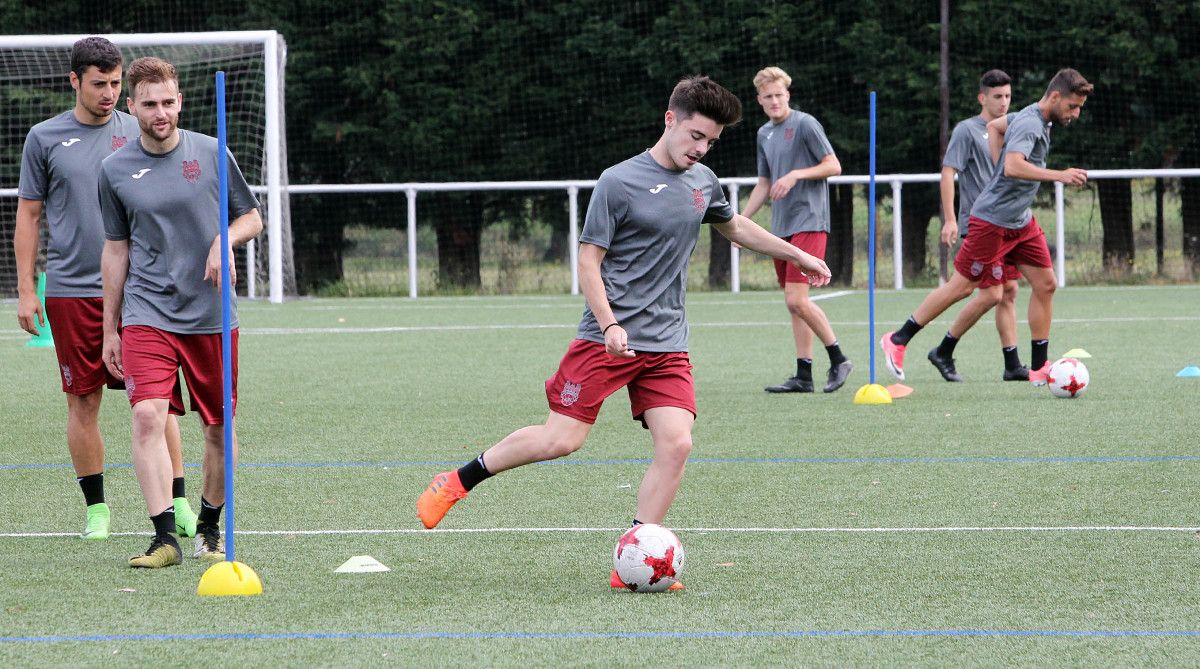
(25, 245)
(758, 197)
(749, 234)
(1017, 167)
(241, 230)
(114, 267)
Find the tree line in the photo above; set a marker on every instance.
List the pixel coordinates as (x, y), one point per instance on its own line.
(465, 90)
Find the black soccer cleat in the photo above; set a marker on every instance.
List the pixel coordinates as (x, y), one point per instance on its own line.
(945, 366)
(1020, 373)
(794, 384)
(838, 375)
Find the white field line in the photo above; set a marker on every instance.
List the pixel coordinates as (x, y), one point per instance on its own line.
(695, 530)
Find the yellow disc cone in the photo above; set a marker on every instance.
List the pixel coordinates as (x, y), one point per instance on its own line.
(229, 578)
(872, 393)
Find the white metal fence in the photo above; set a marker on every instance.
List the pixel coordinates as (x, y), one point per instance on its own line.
(734, 184)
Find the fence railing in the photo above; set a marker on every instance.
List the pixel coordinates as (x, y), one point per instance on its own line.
(734, 184)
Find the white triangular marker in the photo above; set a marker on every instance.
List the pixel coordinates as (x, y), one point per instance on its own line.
(360, 564)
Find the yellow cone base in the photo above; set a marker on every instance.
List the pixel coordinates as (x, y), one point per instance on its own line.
(226, 578)
(872, 393)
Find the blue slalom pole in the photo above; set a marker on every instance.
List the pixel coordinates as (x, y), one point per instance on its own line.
(871, 243)
(226, 309)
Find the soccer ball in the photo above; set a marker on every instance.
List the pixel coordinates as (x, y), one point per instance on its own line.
(1068, 378)
(648, 558)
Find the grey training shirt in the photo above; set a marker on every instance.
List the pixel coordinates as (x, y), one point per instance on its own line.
(648, 218)
(167, 206)
(969, 155)
(796, 143)
(1005, 201)
(59, 167)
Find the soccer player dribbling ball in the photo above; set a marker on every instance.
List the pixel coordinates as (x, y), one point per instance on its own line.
(642, 223)
(1002, 228)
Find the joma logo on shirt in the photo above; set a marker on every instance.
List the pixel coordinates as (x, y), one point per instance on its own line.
(71, 141)
(191, 170)
(657, 189)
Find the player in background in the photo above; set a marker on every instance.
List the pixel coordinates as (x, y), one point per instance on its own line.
(642, 223)
(794, 161)
(59, 167)
(162, 302)
(1002, 228)
(969, 156)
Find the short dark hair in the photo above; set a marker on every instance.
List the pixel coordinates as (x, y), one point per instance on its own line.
(150, 70)
(95, 51)
(698, 94)
(1067, 82)
(994, 78)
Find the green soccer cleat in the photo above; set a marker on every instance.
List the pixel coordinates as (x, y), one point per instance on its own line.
(163, 552)
(185, 520)
(208, 544)
(98, 521)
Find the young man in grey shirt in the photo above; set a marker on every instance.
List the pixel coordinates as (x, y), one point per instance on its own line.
(794, 161)
(59, 166)
(1002, 228)
(161, 266)
(969, 156)
(642, 223)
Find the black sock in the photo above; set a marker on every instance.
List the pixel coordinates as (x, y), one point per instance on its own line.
(164, 523)
(177, 489)
(93, 488)
(836, 357)
(1040, 349)
(209, 514)
(804, 369)
(636, 522)
(473, 473)
(946, 348)
(906, 332)
(1012, 359)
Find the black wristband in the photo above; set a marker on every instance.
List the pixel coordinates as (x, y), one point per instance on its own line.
(605, 330)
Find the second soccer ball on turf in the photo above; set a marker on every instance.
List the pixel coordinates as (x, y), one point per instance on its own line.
(1068, 378)
(648, 558)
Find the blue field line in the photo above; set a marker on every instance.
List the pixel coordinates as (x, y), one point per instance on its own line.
(752, 634)
(985, 460)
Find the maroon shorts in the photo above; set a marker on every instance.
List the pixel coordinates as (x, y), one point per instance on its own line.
(1011, 271)
(587, 375)
(812, 243)
(78, 327)
(151, 358)
(988, 248)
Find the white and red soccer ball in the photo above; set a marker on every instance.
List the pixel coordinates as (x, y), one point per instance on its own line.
(1067, 378)
(648, 558)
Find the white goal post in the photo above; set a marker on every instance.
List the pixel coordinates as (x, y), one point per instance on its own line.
(207, 51)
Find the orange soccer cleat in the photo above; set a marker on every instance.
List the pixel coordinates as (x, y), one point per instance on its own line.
(442, 493)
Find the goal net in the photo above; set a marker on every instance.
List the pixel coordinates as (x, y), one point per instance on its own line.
(34, 86)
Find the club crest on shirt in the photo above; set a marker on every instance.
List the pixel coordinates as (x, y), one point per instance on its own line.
(191, 170)
(118, 142)
(68, 378)
(698, 200)
(788, 134)
(570, 393)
